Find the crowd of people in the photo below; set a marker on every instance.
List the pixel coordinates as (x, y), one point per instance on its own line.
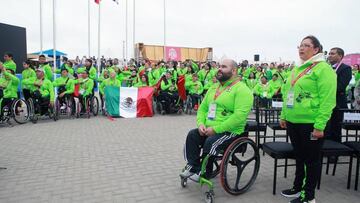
(265, 80)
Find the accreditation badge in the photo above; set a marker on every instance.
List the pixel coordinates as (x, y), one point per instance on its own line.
(290, 98)
(212, 111)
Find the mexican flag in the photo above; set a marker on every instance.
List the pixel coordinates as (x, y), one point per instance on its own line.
(129, 102)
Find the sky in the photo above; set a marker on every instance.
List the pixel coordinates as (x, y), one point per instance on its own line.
(235, 29)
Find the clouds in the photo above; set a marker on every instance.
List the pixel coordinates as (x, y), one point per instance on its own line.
(238, 29)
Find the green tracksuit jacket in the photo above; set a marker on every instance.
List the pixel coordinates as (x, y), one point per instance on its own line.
(10, 85)
(48, 71)
(109, 82)
(46, 89)
(232, 108)
(314, 95)
(26, 74)
(63, 81)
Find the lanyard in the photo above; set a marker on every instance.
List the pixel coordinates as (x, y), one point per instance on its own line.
(218, 92)
(337, 67)
(301, 74)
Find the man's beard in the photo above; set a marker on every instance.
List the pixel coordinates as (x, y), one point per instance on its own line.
(223, 76)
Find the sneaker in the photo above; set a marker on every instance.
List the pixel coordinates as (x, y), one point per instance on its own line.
(195, 177)
(290, 193)
(186, 173)
(299, 200)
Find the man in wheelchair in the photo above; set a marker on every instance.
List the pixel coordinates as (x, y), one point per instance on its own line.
(221, 117)
(66, 87)
(168, 97)
(42, 93)
(86, 88)
(8, 88)
(195, 90)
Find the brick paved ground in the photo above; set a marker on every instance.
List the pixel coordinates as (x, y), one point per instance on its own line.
(128, 160)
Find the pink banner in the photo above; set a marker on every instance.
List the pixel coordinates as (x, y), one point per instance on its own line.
(351, 59)
(173, 53)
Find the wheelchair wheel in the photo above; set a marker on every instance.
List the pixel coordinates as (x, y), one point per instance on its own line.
(240, 166)
(33, 117)
(94, 106)
(57, 109)
(187, 105)
(69, 107)
(78, 108)
(20, 111)
(88, 108)
(209, 197)
(183, 182)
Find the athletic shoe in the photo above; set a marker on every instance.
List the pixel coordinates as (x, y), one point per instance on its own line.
(290, 193)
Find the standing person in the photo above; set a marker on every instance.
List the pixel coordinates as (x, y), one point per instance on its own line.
(344, 74)
(9, 63)
(27, 73)
(44, 65)
(221, 118)
(309, 98)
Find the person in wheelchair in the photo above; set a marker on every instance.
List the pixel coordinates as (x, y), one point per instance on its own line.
(8, 87)
(86, 88)
(66, 87)
(169, 93)
(221, 117)
(195, 90)
(43, 92)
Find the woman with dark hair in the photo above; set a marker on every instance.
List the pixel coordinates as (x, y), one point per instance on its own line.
(27, 73)
(309, 98)
(144, 81)
(251, 81)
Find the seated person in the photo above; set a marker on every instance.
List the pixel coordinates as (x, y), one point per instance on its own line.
(9, 85)
(86, 87)
(221, 117)
(169, 92)
(43, 91)
(195, 91)
(65, 85)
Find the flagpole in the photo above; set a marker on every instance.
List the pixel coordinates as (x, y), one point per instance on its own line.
(54, 35)
(165, 31)
(89, 47)
(126, 31)
(41, 28)
(98, 59)
(134, 31)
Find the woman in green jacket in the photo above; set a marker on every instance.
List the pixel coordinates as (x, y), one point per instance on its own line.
(27, 73)
(309, 98)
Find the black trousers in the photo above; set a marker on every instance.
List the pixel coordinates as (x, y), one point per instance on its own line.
(333, 129)
(307, 155)
(209, 145)
(27, 94)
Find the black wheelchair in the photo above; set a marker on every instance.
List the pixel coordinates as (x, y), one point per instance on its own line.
(40, 106)
(86, 106)
(238, 166)
(64, 106)
(168, 103)
(16, 109)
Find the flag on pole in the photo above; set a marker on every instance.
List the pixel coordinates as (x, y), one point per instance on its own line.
(97, 1)
(129, 102)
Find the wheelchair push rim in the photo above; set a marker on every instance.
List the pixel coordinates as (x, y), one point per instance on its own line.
(233, 157)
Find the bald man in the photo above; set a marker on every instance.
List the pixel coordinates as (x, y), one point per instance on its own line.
(221, 118)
